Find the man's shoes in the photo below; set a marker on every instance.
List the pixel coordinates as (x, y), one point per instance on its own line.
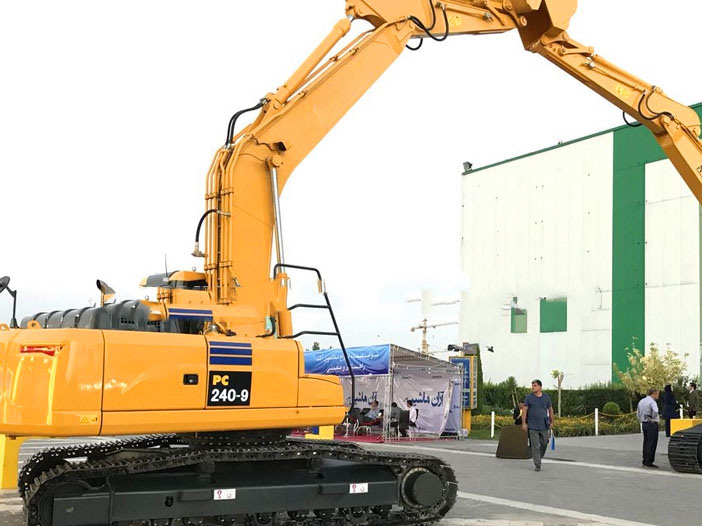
(650, 466)
(537, 468)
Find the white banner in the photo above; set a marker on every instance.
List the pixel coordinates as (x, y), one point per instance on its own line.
(368, 389)
(430, 392)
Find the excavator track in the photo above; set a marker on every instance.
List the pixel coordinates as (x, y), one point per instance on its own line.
(685, 450)
(166, 481)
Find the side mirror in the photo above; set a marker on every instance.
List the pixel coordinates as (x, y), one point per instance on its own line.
(4, 284)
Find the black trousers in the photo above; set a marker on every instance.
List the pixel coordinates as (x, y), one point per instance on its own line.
(650, 441)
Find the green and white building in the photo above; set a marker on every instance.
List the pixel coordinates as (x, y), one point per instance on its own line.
(575, 250)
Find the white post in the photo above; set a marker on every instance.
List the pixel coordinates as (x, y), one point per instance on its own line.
(597, 422)
(492, 424)
(681, 411)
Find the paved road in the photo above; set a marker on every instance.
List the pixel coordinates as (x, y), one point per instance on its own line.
(594, 480)
(586, 480)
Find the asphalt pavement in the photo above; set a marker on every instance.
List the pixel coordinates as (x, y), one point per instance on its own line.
(589, 480)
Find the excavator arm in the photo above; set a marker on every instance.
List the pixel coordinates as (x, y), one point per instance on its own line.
(294, 118)
(542, 25)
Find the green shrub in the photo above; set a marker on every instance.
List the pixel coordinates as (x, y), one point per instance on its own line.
(611, 409)
(487, 409)
(572, 426)
(576, 402)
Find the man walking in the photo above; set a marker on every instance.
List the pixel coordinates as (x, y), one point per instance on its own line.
(694, 404)
(647, 413)
(537, 418)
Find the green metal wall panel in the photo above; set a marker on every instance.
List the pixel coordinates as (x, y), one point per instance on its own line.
(634, 148)
(518, 321)
(553, 315)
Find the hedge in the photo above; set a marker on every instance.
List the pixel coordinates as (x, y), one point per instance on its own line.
(576, 402)
(572, 426)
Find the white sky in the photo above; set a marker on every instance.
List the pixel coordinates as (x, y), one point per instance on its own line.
(110, 113)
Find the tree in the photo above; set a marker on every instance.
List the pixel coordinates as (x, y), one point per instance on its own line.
(558, 376)
(315, 346)
(653, 369)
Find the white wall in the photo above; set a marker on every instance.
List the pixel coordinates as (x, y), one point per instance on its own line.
(672, 264)
(536, 227)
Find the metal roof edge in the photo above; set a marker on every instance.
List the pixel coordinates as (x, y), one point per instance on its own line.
(560, 145)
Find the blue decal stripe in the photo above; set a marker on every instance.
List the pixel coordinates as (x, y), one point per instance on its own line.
(190, 311)
(190, 316)
(223, 360)
(230, 352)
(230, 344)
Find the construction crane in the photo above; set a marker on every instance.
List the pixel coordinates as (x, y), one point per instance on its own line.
(208, 378)
(424, 325)
(427, 303)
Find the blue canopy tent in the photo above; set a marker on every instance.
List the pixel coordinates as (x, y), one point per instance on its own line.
(387, 373)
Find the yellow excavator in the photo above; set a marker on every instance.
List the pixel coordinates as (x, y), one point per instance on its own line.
(207, 379)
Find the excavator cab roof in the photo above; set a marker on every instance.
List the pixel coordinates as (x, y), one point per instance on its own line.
(179, 279)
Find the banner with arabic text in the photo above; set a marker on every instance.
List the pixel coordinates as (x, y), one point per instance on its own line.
(373, 359)
(368, 389)
(431, 393)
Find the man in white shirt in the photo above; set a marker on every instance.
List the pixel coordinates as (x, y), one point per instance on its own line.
(647, 413)
(413, 416)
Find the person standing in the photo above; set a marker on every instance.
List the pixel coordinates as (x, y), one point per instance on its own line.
(694, 404)
(670, 405)
(537, 419)
(413, 416)
(647, 413)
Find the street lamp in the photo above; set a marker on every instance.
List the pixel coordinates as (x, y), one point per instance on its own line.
(4, 284)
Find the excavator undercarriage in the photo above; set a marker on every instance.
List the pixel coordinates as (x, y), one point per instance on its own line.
(685, 450)
(232, 479)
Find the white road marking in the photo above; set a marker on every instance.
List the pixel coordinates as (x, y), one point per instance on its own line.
(486, 522)
(600, 519)
(13, 508)
(605, 467)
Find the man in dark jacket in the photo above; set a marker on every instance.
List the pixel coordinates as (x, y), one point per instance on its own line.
(694, 404)
(670, 407)
(517, 414)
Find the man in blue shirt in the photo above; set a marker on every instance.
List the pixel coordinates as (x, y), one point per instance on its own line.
(647, 413)
(537, 418)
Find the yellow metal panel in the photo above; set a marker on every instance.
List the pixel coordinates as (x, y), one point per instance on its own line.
(144, 371)
(52, 395)
(9, 458)
(467, 420)
(680, 424)
(324, 433)
(316, 390)
(274, 371)
(142, 422)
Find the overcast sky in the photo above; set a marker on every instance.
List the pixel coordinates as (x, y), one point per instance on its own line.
(111, 112)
